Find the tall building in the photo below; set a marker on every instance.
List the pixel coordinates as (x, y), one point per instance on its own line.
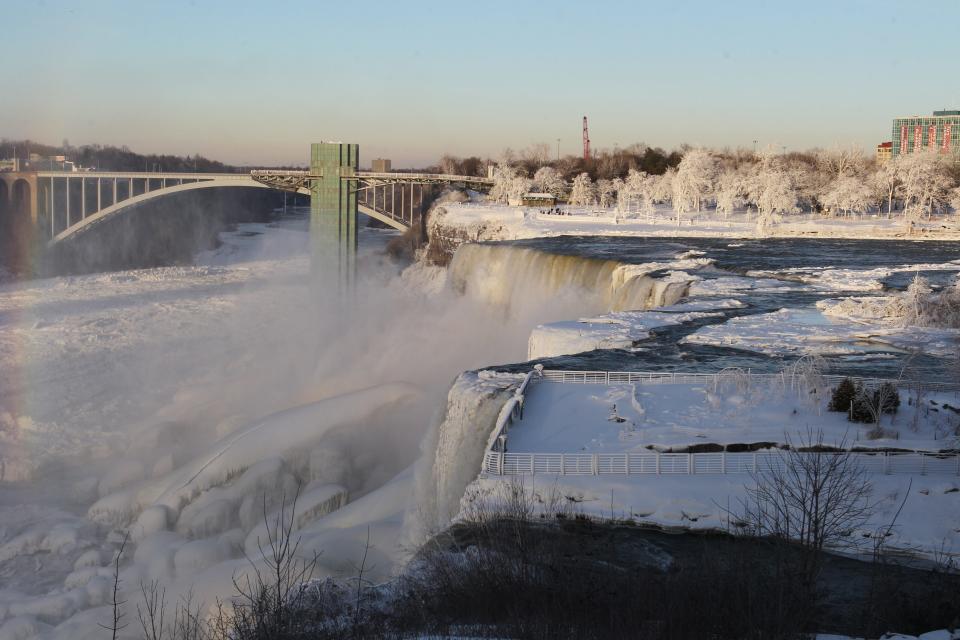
(941, 132)
(884, 152)
(381, 165)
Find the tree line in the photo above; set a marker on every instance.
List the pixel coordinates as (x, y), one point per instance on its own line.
(841, 181)
(604, 164)
(111, 158)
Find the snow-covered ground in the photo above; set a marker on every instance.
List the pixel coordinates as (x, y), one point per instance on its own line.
(638, 417)
(618, 418)
(491, 221)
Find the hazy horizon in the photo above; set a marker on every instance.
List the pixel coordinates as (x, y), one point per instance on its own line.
(250, 84)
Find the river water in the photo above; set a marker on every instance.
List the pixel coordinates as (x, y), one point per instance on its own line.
(816, 269)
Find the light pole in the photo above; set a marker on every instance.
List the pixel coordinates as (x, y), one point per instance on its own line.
(754, 147)
(558, 148)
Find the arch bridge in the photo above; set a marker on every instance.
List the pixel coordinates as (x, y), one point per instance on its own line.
(59, 206)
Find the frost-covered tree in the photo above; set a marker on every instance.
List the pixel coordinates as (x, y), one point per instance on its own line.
(694, 181)
(955, 200)
(662, 188)
(549, 180)
(503, 179)
(637, 191)
(926, 182)
(840, 162)
(583, 192)
(730, 191)
(848, 195)
(508, 184)
(519, 186)
(915, 301)
(606, 191)
(888, 181)
(775, 193)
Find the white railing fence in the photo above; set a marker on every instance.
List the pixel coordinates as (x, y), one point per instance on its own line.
(660, 377)
(716, 463)
(499, 461)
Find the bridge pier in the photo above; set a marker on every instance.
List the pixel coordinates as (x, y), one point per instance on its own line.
(333, 212)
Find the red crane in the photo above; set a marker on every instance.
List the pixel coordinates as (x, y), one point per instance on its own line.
(586, 140)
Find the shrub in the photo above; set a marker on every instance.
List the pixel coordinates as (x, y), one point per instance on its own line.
(843, 395)
(887, 398)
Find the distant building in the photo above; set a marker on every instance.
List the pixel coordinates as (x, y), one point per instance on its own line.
(938, 132)
(533, 200)
(11, 164)
(381, 165)
(884, 152)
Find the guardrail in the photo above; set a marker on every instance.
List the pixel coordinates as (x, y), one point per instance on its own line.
(659, 377)
(498, 461)
(718, 463)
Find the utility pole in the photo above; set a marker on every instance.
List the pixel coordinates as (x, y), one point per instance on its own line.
(558, 148)
(586, 141)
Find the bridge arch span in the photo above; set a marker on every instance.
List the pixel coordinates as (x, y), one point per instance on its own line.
(124, 206)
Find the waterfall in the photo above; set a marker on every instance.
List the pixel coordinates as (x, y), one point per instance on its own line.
(453, 450)
(515, 278)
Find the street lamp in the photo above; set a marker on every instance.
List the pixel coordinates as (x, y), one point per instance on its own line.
(754, 147)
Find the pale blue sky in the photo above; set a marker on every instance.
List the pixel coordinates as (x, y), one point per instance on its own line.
(257, 81)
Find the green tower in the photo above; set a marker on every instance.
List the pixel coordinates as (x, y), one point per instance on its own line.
(333, 212)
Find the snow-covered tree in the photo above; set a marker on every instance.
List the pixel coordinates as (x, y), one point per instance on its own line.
(503, 178)
(888, 181)
(519, 186)
(549, 180)
(662, 188)
(775, 193)
(637, 191)
(955, 200)
(840, 162)
(606, 191)
(926, 182)
(848, 195)
(694, 181)
(730, 191)
(916, 300)
(583, 192)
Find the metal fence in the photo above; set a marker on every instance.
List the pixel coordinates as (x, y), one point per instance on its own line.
(718, 463)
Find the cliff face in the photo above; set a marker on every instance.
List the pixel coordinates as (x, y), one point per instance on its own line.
(444, 238)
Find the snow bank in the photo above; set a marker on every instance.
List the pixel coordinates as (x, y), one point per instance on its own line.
(480, 221)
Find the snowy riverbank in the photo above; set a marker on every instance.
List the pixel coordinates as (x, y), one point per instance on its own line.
(453, 223)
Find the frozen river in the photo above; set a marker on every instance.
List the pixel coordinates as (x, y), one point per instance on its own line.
(169, 402)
